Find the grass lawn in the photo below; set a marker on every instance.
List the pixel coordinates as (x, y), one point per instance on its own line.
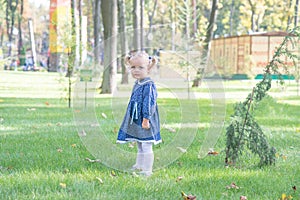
(42, 155)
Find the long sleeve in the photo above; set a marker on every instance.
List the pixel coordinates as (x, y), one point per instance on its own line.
(149, 101)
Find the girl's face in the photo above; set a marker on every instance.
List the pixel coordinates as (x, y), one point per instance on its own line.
(139, 72)
(139, 68)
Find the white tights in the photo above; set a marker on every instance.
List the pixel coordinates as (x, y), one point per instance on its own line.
(144, 147)
(145, 158)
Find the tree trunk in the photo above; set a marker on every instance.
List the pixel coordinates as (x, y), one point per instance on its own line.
(142, 6)
(252, 15)
(72, 54)
(207, 42)
(97, 47)
(195, 25)
(20, 40)
(10, 21)
(109, 16)
(296, 14)
(231, 17)
(136, 25)
(122, 26)
(150, 17)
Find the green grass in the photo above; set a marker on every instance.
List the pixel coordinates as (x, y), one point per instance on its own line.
(42, 156)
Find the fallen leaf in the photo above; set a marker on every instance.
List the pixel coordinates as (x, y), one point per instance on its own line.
(284, 157)
(243, 198)
(232, 186)
(182, 149)
(62, 185)
(82, 133)
(131, 145)
(294, 188)
(104, 115)
(212, 152)
(135, 174)
(47, 103)
(100, 180)
(283, 196)
(179, 178)
(58, 124)
(59, 150)
(92, 161)
(172, 130)
(73, 145)
(113, 173)
(116, 130)
(187, 197)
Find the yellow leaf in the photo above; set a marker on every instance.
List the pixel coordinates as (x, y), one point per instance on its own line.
(113, 173)
(283, 196)
(100, 180)
(284, 157)
(62, 185)
(73, 145)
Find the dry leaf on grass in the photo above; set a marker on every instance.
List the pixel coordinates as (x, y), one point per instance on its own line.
(113, 173)
(62, 185)
(82, 133)
(172, 130)
(212, 152)
(179, 178)
(100, 180)
(91, 160)
(104, 115)
(182, 149)
(187, 196)
(59, 150)
(232, 186)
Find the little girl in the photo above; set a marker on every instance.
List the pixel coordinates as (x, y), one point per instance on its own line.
(141, 121)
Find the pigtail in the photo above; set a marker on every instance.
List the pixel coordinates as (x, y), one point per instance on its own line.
(127, 59)
(152, 61)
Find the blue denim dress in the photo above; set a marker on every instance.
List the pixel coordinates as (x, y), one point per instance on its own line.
(142, 104)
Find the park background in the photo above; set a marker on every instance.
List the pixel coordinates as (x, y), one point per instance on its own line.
(42, 153)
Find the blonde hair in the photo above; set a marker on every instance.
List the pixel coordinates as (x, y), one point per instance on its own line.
(141, 54)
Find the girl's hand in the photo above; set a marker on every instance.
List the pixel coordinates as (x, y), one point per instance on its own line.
(145, 123)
